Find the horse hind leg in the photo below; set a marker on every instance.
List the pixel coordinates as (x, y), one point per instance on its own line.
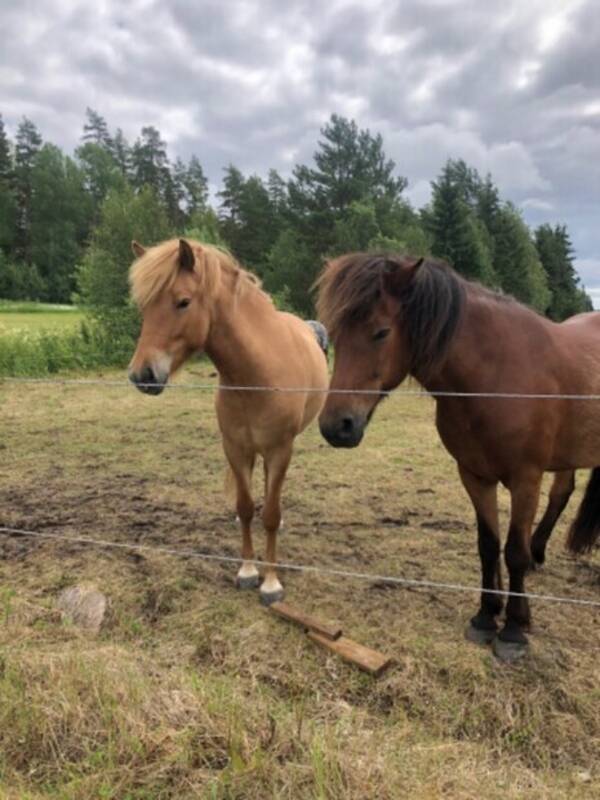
(511, 643)
(242, 465)
(560, 492)
(276, 464)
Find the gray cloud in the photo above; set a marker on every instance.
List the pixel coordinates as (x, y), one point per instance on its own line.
(514, 88)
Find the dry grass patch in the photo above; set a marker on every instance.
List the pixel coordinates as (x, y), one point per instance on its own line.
(193, 690)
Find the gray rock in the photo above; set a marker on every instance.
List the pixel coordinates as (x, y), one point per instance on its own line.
(83, 606)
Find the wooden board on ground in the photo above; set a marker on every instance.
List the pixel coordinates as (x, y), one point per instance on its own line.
(306, 621)
(368, 660)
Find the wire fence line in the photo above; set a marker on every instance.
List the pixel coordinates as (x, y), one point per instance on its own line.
(331, 572)
(395, 393)
(326, 571)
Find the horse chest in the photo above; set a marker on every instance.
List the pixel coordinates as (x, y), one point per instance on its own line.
(474, 442)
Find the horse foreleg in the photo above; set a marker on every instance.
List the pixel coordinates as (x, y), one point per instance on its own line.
(511, 642)
(276, 464)
(560, 492)
(242, 464)
(484, 496)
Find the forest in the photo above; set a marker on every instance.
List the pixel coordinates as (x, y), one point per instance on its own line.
(66, 220)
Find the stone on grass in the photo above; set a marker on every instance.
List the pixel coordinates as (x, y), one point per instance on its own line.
(84, 607)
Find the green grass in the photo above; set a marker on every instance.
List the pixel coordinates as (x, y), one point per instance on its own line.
(193, 690)
(39, 339)
(18, 317)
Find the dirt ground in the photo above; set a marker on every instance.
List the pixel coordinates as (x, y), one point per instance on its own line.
(192, 689)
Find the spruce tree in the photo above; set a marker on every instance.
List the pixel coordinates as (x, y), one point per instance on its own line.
(6, 164)
(28, 143)
(7, 194)
(196, 186)
(556, 254)
(456, 234)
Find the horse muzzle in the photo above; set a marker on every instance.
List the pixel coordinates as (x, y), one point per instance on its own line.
(346, 430)
(148, 380)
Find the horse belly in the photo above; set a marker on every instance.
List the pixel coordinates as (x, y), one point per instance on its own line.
(578, 444)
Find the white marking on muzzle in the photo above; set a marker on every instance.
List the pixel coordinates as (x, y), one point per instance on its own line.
(161, 365)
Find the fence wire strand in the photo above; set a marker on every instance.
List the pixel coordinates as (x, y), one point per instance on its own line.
(307, 568)
(396, 393)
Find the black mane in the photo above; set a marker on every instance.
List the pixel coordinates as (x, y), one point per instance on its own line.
(432, 307)
(432, 301)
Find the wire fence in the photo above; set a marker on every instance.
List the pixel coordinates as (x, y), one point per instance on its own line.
(332, 572)
(306, 568)
(396, 393)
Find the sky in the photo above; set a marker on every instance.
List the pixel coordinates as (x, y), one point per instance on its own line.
(513, 87)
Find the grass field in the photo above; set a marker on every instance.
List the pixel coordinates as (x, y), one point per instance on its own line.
(193, 690)
(35, 317)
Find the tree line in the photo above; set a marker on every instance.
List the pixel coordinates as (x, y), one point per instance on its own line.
(66, 221)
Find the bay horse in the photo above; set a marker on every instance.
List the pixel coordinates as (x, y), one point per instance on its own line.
(196, 298)
(389, 317)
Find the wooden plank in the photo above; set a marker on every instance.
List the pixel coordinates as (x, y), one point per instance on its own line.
(368, 660)
(306, 621)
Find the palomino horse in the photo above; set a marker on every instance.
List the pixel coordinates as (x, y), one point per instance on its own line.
(194, 298)
(390, 317)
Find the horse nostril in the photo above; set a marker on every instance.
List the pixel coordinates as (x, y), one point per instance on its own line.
(147, 375)
(347, 425)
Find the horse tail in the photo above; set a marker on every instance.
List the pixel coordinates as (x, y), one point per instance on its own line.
(585, 529)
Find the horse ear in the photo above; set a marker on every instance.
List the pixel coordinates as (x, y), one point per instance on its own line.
(186, 256)
(397, 275)
(138, 250)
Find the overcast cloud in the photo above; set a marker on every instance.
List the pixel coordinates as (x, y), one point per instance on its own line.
(512, 87)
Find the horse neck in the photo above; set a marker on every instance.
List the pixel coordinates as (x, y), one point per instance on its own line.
(238, 336)
(485, 322)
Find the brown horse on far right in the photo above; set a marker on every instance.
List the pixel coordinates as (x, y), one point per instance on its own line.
(389, 317)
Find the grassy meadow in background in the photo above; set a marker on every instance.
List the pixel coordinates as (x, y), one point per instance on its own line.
(28, 318)
(39, 339)
(193, 690)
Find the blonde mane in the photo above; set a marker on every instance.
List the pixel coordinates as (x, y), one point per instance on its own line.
(157, 270)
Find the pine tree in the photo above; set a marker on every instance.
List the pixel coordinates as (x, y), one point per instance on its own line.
(277, 189)
(149, 162)
(7, 195)
(121, 152)
(351, 166)
(231, 194)
(101, 172)
(247, 218)
(487, 203)
(95, 130)
(28, 143)
(102, 277)
(196, 186)
(60, 217)
(6, 164)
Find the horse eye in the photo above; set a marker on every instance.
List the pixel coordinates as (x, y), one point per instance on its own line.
(183, 303)
(377, 337)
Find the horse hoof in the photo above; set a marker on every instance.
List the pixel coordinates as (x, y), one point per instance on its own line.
(509, 652)
(266, 598)
(479, 635)
(247, 582)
